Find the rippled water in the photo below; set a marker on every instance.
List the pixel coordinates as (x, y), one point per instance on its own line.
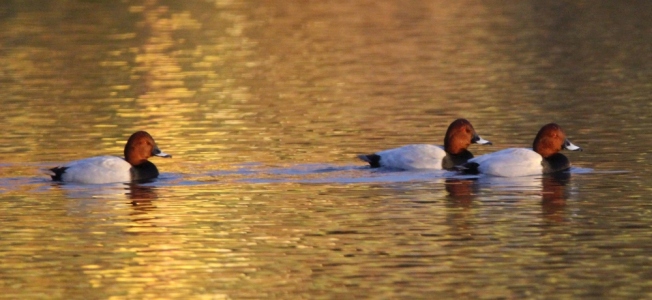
(264, 106)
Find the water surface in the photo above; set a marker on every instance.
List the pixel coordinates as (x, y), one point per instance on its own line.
(264, 106)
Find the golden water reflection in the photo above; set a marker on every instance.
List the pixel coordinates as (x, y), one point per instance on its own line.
(264, 106)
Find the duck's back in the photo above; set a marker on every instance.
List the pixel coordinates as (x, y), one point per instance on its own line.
(413, 157)
(99, 169)
(511, 162)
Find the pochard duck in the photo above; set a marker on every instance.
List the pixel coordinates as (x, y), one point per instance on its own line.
(543, 158)
(459, 136)
(109, 169)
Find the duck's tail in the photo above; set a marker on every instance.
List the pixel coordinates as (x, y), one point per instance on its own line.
(372, 159)
(56, 173)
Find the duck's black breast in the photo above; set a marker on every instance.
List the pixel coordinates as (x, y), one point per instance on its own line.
(450, 161)
(144, 171)
(555, 163)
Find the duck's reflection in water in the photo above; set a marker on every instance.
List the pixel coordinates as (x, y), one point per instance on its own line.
(106, 199)
(552, 190)
(461, 192)
(141, 195)
(460, 198)
(554, 195)
(142, 201)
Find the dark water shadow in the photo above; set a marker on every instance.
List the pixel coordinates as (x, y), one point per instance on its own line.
(321, 173)
(298, 173)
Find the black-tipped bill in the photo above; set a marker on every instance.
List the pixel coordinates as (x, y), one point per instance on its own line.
(157, 152)
(570, 146)
(478, 140)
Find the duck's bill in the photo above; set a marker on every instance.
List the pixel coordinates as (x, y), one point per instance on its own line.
(478, 140)
(570, 146)
(157, 152)
(163, 154)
